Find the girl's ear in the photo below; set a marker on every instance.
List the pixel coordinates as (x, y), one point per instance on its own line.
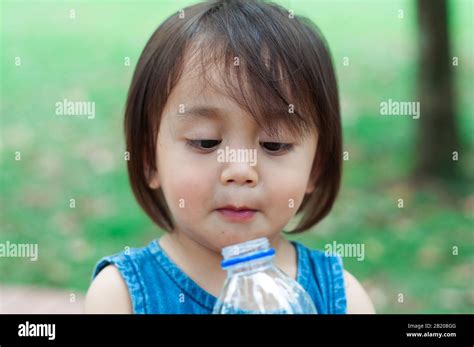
(312, 182)
(152, 178)
(315, 171)
(154, 182)
(310, 187)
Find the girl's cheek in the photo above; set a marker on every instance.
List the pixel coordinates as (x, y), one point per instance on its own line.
(286, 193)
(190, 190)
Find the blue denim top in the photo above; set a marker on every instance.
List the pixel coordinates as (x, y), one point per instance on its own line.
(157, 285)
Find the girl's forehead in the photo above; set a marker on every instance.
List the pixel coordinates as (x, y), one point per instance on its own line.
(198, 87)
(203, 79)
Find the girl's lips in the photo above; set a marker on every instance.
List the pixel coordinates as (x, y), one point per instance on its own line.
(237, 215)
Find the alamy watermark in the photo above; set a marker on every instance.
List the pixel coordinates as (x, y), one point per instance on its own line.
(400, 108)
(346, 250)
(230, 155)
(28, 329)
(19, 250)
(75, 108)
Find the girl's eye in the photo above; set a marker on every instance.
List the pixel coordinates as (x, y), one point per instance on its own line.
(204, 144)
(276, 147)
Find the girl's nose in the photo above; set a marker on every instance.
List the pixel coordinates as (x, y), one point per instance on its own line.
(240, 174)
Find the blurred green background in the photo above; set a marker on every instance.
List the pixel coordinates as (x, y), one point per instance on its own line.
(407, 250)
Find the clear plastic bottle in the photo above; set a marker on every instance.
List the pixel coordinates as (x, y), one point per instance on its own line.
(255, 285)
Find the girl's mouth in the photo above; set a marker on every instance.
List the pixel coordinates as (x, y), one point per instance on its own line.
(237, 214)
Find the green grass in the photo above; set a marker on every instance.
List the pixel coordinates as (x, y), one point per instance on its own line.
(408, 250)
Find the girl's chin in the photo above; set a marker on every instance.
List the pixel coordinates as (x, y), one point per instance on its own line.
(228, 238)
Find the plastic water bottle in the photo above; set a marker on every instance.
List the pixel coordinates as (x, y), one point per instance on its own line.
(255, 285)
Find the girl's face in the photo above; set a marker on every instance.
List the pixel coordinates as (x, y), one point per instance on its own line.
(198, 178)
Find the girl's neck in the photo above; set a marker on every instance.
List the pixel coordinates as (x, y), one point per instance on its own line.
(203, 265)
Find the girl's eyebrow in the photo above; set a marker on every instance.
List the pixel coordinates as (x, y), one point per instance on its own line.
(197, 111)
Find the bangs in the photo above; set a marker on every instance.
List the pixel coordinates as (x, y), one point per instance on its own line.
(266, 91)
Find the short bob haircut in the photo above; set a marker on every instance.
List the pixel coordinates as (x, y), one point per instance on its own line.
(284, 63)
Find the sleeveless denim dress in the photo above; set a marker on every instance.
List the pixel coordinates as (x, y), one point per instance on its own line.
(157, 286)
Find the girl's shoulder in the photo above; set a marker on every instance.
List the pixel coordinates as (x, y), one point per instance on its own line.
(126, 272)
(155, 284)
(108, 293)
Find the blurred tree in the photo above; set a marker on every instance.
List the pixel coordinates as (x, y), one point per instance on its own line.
(437, 132)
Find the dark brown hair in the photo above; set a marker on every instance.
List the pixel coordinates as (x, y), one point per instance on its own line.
(283, 60)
